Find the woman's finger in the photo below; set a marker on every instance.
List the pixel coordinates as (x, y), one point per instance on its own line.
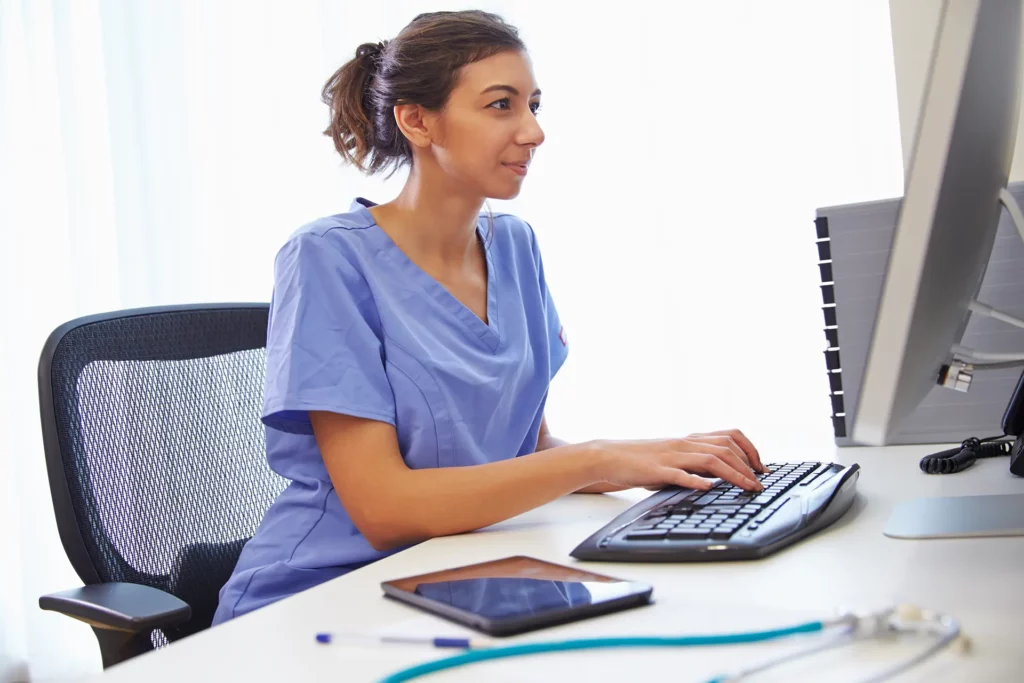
(727, 442)
(685, 479)
(732, 456)
(715, 464)
(748, 447)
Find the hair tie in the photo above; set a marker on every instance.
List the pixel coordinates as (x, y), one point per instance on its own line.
(373, 52)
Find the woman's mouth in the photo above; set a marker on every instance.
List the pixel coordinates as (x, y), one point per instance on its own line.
(518, 169)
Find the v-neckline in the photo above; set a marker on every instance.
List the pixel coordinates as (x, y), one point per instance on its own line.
(489, 333)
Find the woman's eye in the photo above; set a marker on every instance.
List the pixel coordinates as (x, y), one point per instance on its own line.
(505, 103)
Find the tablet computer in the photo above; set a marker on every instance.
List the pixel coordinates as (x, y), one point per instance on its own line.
(516, 594)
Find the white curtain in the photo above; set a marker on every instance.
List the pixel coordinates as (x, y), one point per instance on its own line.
(160, 152)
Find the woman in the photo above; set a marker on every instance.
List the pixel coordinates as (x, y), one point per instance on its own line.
(411, 344)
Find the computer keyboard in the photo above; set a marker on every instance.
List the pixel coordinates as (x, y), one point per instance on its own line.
(727, 522)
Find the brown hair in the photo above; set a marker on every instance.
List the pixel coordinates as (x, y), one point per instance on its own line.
(419, 66)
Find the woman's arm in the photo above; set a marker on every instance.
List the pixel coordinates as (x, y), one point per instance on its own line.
(546, 441)
(393, 505)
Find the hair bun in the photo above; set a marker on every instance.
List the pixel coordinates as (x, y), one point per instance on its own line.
(372, 52)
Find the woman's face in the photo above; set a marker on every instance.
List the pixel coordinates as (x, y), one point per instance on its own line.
(488, 130)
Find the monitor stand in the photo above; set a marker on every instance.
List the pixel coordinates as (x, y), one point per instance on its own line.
(973, 516)
(958, 517)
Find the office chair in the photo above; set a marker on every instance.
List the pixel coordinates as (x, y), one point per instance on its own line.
(157, 464)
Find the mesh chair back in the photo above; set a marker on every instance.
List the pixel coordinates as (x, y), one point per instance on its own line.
(154, 446)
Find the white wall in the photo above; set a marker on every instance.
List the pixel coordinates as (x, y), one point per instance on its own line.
(914, 26)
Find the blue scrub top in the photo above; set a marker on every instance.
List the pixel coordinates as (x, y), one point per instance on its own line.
(359, 329)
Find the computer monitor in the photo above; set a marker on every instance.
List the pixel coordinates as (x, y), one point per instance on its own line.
(958, 171)
(955, 185)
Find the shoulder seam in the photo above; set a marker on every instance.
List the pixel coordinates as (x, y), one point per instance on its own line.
(328, 229)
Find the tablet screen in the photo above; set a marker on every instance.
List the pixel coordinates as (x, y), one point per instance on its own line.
(517, 587)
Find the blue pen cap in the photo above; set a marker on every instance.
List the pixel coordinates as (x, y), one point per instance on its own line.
(323, 638)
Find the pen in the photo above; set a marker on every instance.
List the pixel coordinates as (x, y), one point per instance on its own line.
(463, 643)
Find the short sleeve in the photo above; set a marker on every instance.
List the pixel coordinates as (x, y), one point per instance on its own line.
(324, 345)
(558, 343)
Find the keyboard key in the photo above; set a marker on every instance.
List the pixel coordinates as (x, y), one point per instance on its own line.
(763, 499)
(719, 535)
(689, 534)
(704, 500)
(809, 480)
(770, 510)
(647, 535)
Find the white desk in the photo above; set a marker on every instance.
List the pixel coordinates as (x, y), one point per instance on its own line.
(979, 581)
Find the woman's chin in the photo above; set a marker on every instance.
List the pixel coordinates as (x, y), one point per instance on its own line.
(506, 192)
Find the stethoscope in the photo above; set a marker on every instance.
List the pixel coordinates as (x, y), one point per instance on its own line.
(849, 628)
(846, 628)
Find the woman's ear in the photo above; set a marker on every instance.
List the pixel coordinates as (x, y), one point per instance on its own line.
(418, 125)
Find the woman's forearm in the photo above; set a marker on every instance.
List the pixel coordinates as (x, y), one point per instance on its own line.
(449, 500)
(547, 442)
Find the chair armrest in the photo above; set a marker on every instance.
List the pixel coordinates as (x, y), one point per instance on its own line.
(119, 606)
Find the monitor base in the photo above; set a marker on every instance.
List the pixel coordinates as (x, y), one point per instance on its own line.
(958, 517)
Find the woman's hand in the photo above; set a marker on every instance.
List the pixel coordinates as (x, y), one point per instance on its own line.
(727, 455)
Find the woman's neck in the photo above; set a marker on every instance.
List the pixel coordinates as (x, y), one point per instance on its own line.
(432, 223)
